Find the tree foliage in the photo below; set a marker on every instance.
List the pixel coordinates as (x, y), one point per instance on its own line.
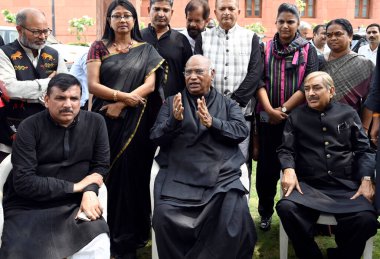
(8, 16)
(80, 25)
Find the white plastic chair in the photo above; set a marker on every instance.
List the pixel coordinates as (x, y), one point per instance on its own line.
(324, 219)
(244, 178)
(5, 169)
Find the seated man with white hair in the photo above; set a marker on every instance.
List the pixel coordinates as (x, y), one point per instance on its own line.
(328, 167)
(201, 210)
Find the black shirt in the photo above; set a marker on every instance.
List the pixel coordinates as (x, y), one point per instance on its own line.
(176, 50)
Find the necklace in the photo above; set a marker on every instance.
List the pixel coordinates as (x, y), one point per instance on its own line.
(121, 49)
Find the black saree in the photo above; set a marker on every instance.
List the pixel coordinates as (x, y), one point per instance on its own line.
(131, 150)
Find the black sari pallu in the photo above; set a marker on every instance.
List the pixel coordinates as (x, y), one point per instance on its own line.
(131, 150)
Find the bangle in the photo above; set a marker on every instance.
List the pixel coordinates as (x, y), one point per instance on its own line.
(115, 95)
(375, 115)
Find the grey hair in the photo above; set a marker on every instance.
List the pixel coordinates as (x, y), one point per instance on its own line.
(304, 25)
(22, 15)
(326, 78)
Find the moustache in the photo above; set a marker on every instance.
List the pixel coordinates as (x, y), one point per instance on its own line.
(66, 110)
(312, 99)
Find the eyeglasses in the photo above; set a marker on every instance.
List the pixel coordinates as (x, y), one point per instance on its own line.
(337, 34)
(118, 18)
(37, 33)
(198, 71)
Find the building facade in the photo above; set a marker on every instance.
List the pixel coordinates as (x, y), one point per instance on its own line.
(359, 12)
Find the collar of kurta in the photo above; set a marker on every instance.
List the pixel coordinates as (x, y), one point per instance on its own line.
(223, 32)
(327, 108)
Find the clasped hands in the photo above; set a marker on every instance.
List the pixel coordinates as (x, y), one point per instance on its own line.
(90, 204)
(113, 110)
(289, 182)
(203, 114)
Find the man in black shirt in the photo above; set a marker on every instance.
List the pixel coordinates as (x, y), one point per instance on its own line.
(59, 158)
(172, 45)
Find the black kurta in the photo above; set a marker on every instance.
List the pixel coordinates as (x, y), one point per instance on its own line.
(39, 203)
(330, 153)
(200, 207)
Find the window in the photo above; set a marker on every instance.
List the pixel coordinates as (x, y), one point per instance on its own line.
(253, 8)
(308, 11)
(361, 8)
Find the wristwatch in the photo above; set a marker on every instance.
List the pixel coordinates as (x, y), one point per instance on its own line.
(366, 178)
(283, 109)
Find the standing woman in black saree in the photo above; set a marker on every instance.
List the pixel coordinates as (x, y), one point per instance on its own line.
(124, 75)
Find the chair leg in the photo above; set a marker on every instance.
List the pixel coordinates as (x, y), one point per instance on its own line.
(283, 243)
(367, 254)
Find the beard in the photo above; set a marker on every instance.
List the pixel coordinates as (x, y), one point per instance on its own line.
(31, 45)
(193, 33)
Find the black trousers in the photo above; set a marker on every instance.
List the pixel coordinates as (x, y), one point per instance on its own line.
(352, 232)
(268, 166)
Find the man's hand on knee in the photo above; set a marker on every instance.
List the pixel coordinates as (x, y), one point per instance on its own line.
(90, 205)
(289, 181)
(366, 189)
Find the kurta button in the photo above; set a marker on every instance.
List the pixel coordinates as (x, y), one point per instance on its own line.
(329, 172)
(225, 78)
(227, 50)
(326, 143)
(227, 38)
(328, 156)
(322, 114)
(324, 129)
(226, 64)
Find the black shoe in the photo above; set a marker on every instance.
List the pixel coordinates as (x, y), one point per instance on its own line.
(265, 223)
(332, 253)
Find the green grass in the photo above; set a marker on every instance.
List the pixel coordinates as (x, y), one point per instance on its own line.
(267, 246)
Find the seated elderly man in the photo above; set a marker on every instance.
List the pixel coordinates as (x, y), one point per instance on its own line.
(59, 158)
(200, 206)
(327, 167)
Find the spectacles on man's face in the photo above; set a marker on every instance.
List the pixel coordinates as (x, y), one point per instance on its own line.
(198, 71)
(37, 33)
(118, 18)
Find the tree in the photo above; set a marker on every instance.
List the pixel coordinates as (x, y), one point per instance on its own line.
(9, 17)
(79, 26)
(300, 5)
(258, 28)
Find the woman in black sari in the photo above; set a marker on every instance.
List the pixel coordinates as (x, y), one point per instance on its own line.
(123, 75)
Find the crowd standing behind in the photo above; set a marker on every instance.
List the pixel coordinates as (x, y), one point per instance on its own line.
(130, 73)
